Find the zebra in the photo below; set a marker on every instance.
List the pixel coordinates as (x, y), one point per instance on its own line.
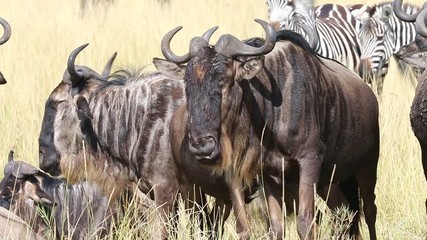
(358, 36)
(336, 36)
(377, 40)
(398, 33)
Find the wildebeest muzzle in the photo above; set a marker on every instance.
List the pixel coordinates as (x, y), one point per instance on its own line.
(204, 148)
(49, 161)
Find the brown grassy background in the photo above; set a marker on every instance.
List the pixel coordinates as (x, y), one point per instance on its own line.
(45, 32)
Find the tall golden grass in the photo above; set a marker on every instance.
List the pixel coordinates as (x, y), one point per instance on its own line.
(45, 32)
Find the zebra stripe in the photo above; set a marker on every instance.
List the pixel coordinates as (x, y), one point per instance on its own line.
(334, 24)
(382, 35)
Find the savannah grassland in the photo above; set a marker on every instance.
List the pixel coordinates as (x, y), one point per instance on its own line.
(45, 32)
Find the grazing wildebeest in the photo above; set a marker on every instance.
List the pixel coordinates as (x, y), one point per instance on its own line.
(77, 211)
(124, 123)
(6, 35)
(279, 112)
(415, 54)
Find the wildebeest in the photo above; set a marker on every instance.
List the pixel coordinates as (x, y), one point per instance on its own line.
(124, 123)
(6, 35)
(12, 227)
(76, 211)
(193, 175)
(415, 54)
(279, 112)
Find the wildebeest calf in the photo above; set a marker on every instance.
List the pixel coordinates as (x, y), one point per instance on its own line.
(13, 227)
(77, 211)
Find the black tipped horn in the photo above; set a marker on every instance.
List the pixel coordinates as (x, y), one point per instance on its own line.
(166, 50)
(10, 157)
(107, 69)
(2, 79)
(71, 68)
(230, 46)
(7, 31)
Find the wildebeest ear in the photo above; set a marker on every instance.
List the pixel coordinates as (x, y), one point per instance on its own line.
(169, 69)
(250, 67)
(83, 106)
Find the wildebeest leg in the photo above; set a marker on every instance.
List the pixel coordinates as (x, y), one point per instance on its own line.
(276, 218)
(309, 176)
(242, 222)
(349, 187)
(194, 200)
(165, 202)
(424, 161)
(367, 178)
(219, 214)
(424, 158)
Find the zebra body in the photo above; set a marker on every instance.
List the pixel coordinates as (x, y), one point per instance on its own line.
(391, 34)
(360, 36)
(334, 25)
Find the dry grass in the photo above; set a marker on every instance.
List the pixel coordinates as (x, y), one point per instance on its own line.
(45, 32)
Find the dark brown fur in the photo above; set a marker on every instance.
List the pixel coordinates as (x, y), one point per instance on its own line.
(299, 115)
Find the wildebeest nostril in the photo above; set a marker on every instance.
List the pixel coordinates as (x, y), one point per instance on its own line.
(202, 147)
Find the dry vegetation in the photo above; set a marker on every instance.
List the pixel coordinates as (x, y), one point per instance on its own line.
(46, 31)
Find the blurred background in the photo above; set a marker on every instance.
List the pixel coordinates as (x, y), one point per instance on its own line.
(44, 32)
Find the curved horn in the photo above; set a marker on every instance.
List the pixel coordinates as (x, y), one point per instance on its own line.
(166, 49)
(400, 13)
(208, 34)
(197, 43)
(312, 35)
(107, 69)
(19, 169)
(71, 68)
(230, 46)
(10, 156)
(420, 23)
(7, 31)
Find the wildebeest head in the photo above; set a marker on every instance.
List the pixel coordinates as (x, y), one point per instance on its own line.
(415, 53)
(212, 76)
(66, 114)
(21, 192)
